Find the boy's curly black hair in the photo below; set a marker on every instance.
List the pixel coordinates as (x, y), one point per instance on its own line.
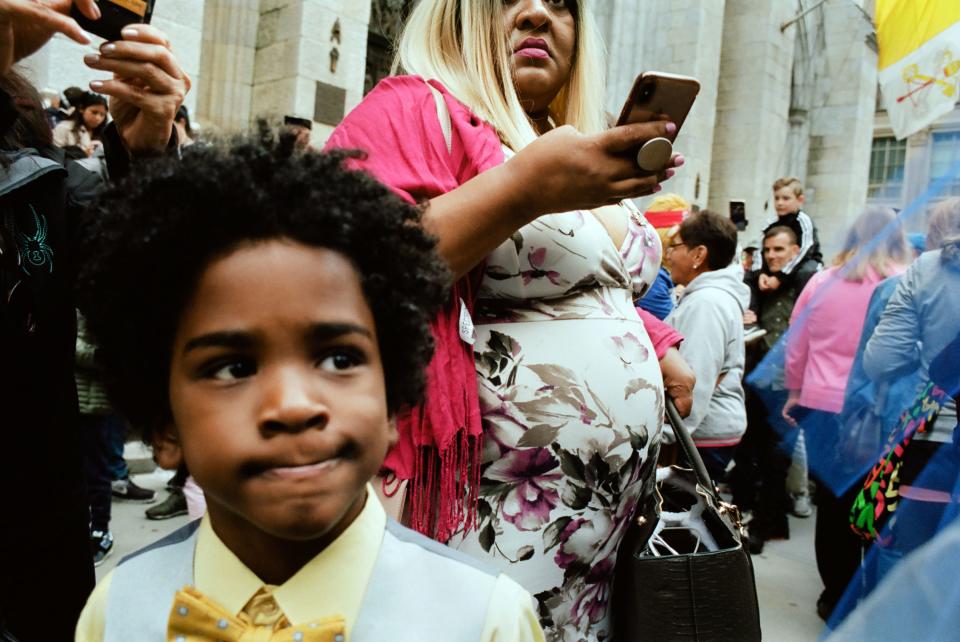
(145, 242)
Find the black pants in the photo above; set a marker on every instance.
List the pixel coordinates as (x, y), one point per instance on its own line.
(716, 459)
(759, 477)
(838, 549)
(99, 466)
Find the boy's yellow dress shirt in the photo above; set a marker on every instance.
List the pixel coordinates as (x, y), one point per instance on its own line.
(332, 583)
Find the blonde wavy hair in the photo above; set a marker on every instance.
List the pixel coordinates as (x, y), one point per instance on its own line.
(876, 240)
(462, 44)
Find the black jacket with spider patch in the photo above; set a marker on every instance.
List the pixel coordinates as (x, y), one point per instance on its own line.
(45, 529)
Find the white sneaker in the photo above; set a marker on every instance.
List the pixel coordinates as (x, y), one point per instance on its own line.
(801, 505)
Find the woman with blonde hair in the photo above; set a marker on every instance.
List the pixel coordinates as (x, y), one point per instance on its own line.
(825, 328)
(499, 130)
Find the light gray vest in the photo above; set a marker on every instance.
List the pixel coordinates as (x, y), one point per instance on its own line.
(419, 591)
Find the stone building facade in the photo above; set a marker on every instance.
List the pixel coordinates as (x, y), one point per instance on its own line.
(787, 88)
(916, 173)
(781, 94)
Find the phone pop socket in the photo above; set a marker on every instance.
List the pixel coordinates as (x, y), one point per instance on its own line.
(655, 154)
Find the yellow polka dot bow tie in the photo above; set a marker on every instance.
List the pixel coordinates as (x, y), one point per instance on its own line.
(197, 618)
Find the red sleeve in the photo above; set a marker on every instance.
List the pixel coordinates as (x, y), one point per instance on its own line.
(397, 127)
(663, 336)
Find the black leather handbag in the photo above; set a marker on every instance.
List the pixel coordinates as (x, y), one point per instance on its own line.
(690, 578)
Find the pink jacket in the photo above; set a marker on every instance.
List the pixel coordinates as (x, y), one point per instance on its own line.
(825, 329)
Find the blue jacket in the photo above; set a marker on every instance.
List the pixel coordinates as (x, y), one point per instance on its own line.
(919, 321)
(862, 390)
(658, 300)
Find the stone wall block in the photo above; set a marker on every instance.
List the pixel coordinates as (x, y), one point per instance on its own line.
(272, 99)
(280, 60)
(357, 11)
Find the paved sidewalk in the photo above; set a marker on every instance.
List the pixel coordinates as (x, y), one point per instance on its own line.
(788, 586)
(787, 580)
(131, 529)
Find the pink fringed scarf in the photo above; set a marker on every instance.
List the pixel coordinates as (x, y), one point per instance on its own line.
(440, 441)
(439, 446)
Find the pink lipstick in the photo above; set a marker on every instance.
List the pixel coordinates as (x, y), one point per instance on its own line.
(532, 48)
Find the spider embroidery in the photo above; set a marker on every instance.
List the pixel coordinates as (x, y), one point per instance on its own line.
(33, 248)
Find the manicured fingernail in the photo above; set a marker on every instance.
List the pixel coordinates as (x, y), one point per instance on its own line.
(129, 32)
(657, 188)
(671, 172)
(96, 12)
(91, 59)
(680, 160)
(108, 48)
(96, 84)
(671, 128)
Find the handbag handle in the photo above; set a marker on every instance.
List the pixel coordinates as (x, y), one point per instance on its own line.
(690, 450)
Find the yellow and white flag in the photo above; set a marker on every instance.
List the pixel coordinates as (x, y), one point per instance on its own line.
(919, 60)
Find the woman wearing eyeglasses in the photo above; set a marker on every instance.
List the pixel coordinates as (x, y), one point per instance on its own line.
(500, 130)
(709, 314)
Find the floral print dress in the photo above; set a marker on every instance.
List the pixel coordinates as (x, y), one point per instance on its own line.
(572, 402)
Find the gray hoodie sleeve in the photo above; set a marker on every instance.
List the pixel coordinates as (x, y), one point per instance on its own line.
(894, 349)
(702, 326)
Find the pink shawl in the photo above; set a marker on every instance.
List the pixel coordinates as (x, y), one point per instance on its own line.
(439, 445)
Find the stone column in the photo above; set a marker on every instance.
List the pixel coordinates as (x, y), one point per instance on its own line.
(623, 24)
(675, 36)
(225, 86)
(841, 126)
(753, 102)
(310, 57)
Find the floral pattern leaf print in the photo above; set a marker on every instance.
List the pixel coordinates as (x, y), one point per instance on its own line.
(539, 483)
(540, 268)
(529, 496)
(571, 402)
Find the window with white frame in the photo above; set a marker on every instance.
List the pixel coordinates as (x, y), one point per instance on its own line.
(887, 159)
(945, 162)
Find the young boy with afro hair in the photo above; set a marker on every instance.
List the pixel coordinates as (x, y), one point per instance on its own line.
(263, 315)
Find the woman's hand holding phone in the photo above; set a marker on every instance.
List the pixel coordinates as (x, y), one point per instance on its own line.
(565, 170)
(147, 88)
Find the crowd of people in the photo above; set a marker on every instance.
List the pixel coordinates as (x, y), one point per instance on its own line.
(454, 318)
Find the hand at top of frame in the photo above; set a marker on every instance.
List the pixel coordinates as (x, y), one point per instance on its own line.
(147, 88)
(26, 25)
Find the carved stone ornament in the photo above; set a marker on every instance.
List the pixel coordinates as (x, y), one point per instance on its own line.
(334, 59)
(387, 16)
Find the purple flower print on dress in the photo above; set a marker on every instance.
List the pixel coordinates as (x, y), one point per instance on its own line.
(626, 248)
(592, 601)
(538, 262)
(529, 503)
(629, 349)
(565, 558)
(581, 554)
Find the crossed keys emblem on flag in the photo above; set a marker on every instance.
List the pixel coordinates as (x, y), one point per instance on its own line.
(947, 78)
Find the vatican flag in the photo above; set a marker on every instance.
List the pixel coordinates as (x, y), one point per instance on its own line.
(919, 60)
